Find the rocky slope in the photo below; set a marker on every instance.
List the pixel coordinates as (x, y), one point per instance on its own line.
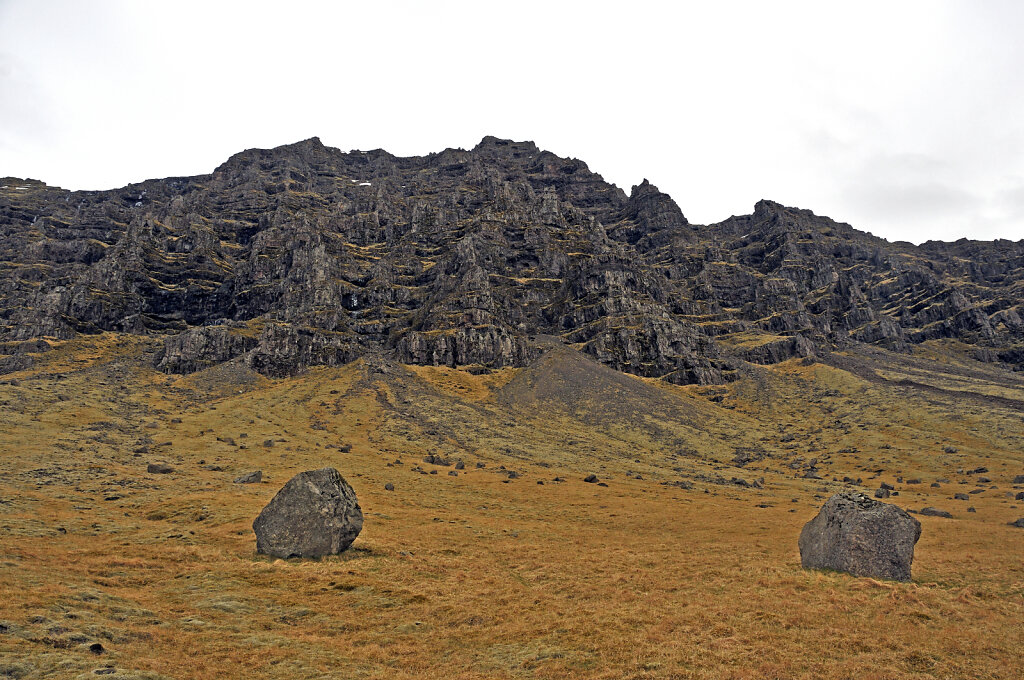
(304, 255)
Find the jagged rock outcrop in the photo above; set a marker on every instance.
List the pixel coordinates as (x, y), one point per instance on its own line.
(304, 255)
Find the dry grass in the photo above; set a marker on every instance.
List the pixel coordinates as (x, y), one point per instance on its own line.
(478, 576)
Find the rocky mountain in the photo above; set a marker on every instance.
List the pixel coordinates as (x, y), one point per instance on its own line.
(304, 255)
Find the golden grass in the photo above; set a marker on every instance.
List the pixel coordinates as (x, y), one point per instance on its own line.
(478, 576)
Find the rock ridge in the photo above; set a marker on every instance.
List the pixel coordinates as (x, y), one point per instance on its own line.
(305, 255)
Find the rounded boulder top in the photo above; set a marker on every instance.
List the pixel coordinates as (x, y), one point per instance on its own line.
(315, 513)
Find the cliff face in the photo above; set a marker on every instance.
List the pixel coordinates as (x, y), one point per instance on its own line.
(303, 255)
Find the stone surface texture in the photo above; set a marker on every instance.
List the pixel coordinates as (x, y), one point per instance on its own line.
(314, 514)
(861, 536)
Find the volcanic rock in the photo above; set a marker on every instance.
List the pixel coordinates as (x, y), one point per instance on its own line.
(314, 514)
(861, 536)
(254, 477)
(305, 255)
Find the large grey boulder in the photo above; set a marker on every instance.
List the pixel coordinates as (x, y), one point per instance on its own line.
(315, 514)
(859, 535)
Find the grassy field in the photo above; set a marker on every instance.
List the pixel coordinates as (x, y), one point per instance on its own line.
(485, 576)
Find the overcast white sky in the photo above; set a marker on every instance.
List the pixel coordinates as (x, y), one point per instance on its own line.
(903, 118)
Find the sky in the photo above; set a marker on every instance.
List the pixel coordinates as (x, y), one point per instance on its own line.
(902, 118)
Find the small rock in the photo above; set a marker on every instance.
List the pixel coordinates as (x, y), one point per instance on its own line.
(1019, 523)
(882, 493)
(1019, 479)
(971, 509)
(1019, 496)
(96, 648)
(159, 468)
(887, 487)
(481, 465)
(935, 512)
(268, 443)
(254, 477)
(389, 487)
(984, 480)
(590, 479)
(345, 448)
(950, 449)
(460, 465)
(453, 473)
(961, 497)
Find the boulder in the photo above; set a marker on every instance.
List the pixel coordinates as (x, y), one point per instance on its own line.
(159, 468)
(935, 512)
(314, 514)
(855, 534)
(254, 477)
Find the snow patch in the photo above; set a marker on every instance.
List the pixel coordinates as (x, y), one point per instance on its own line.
(365, 184)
